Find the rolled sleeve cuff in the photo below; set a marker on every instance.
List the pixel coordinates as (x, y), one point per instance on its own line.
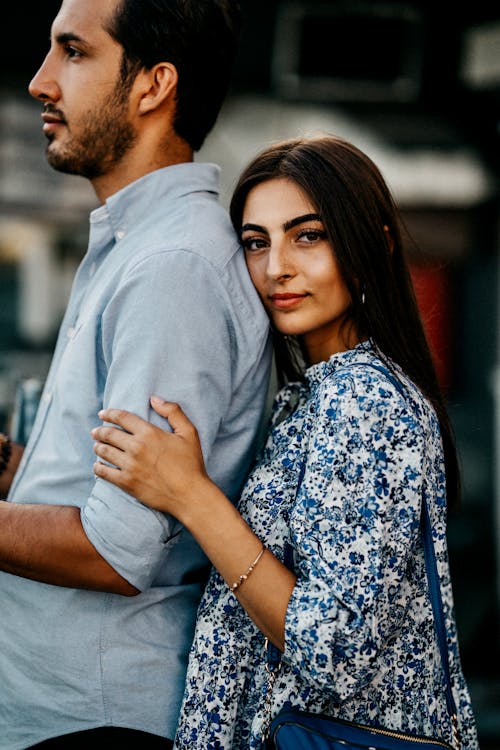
(132, 538)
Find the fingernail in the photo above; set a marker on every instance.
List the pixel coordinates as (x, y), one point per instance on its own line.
(157, 400)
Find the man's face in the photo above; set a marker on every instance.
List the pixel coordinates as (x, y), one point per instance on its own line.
(86, 116)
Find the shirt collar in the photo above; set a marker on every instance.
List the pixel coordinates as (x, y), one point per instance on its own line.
(124, 209)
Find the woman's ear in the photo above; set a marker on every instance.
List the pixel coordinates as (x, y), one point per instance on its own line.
(389, 237)
(158, 85)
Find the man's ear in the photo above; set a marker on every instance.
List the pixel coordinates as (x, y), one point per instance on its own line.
(158, 85)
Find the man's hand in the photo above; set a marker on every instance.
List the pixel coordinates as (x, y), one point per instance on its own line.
(7, 476)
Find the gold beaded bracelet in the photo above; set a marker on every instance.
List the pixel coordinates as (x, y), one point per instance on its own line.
(245, 575)
(5, 451)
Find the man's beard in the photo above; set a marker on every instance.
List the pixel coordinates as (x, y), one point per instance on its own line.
(105, 137)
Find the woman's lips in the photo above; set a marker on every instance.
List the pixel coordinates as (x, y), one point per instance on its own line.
(286, 300)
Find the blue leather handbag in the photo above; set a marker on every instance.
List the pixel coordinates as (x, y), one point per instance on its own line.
(294, 729)
(300, 730)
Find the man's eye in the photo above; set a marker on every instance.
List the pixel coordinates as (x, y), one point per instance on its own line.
(72, 52)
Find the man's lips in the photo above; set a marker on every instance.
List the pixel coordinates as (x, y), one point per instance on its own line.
(50, 121)
(286, 300)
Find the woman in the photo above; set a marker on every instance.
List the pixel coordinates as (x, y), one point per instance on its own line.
(348, 458)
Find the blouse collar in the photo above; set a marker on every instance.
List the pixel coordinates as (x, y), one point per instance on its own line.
(317, 372)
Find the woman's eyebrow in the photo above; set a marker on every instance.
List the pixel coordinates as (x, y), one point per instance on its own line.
(252, 227)
(300, 220)
(286, 226)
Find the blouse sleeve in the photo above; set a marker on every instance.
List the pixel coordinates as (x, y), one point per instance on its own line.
(354, 527)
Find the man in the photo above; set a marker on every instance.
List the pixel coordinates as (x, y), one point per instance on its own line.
(98, 592)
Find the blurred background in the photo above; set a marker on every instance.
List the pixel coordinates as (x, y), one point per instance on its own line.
(417, 86)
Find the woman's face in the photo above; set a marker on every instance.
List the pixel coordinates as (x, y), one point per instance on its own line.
(294, 269)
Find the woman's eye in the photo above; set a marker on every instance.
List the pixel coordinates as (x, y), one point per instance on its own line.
(253, 243)
(311, 235)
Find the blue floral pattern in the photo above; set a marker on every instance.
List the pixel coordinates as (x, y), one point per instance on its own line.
(359, 634)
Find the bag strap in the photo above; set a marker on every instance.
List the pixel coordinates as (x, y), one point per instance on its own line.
(274, 654)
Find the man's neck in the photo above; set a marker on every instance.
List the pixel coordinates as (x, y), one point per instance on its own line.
(136, 164)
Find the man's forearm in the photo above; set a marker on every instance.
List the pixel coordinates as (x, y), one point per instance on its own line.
(48, 543)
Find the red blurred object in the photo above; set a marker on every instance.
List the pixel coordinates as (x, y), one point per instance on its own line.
(433, 291)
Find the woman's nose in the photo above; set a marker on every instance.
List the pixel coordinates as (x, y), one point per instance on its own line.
(280, 263)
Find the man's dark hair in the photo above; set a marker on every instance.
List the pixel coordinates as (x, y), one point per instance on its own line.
(199, 37)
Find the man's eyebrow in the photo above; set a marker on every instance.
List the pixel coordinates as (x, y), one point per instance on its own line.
(68, 36)
(300, 220)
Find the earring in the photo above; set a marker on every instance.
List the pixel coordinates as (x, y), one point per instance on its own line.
(363, 298)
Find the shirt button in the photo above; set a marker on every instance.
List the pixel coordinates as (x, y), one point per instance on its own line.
(47, 397)
(120, 234)
(70, 332)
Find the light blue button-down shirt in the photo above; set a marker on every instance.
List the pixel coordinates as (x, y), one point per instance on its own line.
(162, 303)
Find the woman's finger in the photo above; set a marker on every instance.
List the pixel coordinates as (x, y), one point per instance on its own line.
(177, 419)
(110, 473)
(130, 422)
(111, 435)
(111, 454)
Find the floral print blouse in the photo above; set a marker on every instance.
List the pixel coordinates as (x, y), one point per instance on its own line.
(359, 637)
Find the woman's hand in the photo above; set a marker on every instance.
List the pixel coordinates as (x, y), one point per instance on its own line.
(164, 470)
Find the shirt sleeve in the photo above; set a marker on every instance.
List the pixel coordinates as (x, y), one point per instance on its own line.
(166, 331)
(354, 526)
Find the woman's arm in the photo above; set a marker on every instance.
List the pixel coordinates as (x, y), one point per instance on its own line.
(166, 471)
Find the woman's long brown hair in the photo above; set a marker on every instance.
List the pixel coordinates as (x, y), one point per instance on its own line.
(365, 229)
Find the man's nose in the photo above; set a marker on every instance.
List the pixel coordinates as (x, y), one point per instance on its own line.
(43, 86)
